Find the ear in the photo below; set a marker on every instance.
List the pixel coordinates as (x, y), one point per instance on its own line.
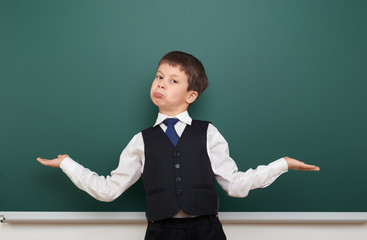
(192, 96)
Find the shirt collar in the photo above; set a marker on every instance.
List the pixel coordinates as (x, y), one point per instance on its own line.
(183, 117)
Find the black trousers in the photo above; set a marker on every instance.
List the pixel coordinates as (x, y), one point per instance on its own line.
(199, 228)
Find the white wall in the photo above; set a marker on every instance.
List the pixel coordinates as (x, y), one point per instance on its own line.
(132, 231)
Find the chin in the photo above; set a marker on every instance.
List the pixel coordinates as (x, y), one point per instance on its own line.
(156, 102)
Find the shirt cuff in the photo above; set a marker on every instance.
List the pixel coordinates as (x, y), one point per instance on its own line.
(280, 164)
(68, 165)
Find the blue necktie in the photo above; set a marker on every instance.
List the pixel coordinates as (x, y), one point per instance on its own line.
(171, 132)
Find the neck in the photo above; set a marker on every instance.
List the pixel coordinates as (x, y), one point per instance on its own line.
(171, 113)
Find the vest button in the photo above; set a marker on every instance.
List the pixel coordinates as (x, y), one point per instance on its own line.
(179, 191)
(177, 154)
(177, 165)
(178, 179)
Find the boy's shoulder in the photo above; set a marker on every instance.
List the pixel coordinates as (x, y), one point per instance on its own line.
(200, 122)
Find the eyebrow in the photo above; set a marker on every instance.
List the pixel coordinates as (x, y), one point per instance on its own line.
(173, 75)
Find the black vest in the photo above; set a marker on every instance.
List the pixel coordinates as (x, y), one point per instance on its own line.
(178, 177)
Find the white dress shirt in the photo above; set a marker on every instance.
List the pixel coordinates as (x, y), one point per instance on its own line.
(132, 158)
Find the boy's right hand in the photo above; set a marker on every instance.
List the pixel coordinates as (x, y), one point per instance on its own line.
(55, 163)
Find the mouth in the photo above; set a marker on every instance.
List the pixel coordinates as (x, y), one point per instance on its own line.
(158, 95)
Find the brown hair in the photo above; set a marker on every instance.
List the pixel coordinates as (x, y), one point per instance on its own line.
(192, 66)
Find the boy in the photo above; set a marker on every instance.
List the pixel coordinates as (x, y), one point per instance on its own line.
(179, 160)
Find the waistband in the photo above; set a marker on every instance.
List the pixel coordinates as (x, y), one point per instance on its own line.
(176, 222)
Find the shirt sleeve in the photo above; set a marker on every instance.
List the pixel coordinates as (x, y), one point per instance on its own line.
(233, 181)
(111, 187)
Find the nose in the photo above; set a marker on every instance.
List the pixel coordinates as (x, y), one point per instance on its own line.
(161, 84)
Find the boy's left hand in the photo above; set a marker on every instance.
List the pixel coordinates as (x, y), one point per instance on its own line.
(298, 165)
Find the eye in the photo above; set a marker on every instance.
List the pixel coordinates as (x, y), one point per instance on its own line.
(159, 77)
(173, 81)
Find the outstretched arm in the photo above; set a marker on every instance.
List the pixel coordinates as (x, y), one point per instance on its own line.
(237, 183)
(100, 187)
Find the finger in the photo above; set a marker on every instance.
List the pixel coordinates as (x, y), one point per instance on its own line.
(43, 161)
(47, 162)
(316, 168)
(311, 168)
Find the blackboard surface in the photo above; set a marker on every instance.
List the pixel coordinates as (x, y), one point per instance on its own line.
(75, 78)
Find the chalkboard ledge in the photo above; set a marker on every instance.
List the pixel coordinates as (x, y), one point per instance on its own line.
(226, 217)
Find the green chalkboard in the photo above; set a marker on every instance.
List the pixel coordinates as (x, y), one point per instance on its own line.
(75, 78)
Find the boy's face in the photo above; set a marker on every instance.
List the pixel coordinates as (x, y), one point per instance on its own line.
(169, 90)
